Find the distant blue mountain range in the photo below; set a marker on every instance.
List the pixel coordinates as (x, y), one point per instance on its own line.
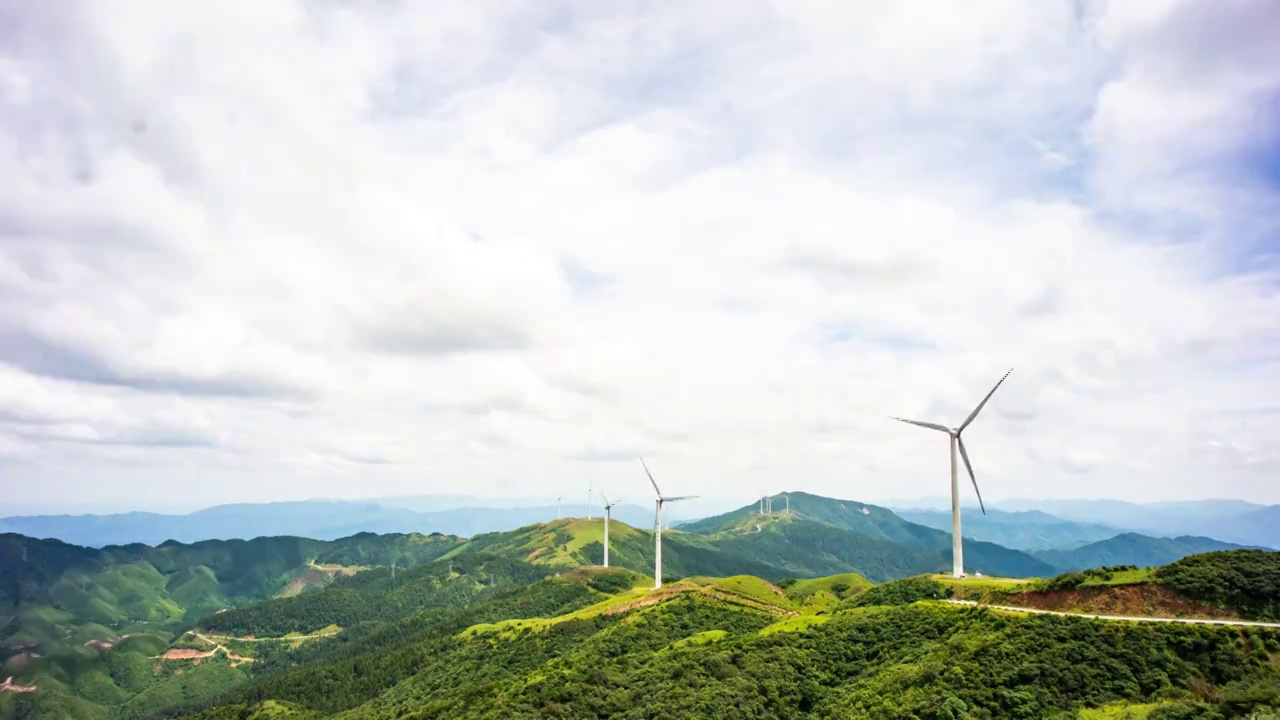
(1050, 536)
(317, 519)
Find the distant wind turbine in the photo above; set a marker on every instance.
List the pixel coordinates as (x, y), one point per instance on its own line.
(608, 506)
(589, 499)
(558, 507)
(657, 525)
(957, 546)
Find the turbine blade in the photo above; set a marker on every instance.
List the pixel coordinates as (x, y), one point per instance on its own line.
(681, 497)
(605, 498)
(978, 409)
(931, 426)
(964, 454)
(655, 482)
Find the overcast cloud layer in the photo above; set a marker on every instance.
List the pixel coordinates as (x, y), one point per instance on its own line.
(267, 250)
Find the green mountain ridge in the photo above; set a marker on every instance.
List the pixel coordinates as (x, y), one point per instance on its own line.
(1132, 549)
(867, 538)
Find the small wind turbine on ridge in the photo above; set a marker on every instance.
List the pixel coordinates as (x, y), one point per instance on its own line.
(589, 482)
(657, 524)
(558, 516)
(953, 434)
(608, 507)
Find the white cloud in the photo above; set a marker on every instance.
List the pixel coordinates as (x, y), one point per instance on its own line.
(294, 250)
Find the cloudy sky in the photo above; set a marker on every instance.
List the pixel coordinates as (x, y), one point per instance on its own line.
(255, 251)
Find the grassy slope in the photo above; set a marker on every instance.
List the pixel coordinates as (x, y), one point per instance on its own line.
(825, 593)
(574, 542)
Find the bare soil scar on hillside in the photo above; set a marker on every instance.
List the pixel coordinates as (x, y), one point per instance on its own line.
(9, 686)
(198, 655)
(1135, 600)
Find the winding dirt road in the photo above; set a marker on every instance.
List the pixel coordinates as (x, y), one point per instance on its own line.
(211, 638)
(1130, 618)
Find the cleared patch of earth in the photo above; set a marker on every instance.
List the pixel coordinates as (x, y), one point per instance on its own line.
(9, 686)
(733, 599)
(198, 655)
(1135, 600)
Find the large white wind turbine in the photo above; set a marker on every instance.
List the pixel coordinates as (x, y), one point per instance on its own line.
(608, 507)
(953, 434)
(657, 525)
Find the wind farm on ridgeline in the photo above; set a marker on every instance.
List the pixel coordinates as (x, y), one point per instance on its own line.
(777, 506)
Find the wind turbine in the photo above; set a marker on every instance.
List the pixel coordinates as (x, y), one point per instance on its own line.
(608, 506)
(657, 525)
(589, 499)
(957, 547)
(558, 507)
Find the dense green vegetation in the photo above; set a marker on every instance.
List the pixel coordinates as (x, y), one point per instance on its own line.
(375, 596)
(697, 657)
(359, 669)
(900, 592)
(84, 625)
(531, 627)
(266, 710)
(1246, 581)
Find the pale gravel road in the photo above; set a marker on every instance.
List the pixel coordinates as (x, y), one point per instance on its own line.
(1187, 621)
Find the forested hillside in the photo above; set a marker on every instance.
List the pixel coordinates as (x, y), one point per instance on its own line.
(84, 626)
(716, 650)
(378, 596)
(135, 632)
(50, 590)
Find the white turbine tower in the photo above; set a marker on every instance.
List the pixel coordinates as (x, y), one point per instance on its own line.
(558, 507)
(608, 507)
(657, 525)
(589, 499)
(953, 435)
